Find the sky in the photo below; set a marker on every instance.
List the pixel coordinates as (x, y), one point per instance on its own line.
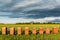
(14, 11)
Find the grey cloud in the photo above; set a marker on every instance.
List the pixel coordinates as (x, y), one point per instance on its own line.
(38, 13)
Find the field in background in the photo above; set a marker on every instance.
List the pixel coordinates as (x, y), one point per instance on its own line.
(31, 36)
(30, 26)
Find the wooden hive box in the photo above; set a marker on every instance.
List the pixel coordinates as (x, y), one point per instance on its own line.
(19, 30)
(41, 31)
(4, 30)
(33, 31)
(12, 31)
(26, 31)
(47, 31)
(55, 30)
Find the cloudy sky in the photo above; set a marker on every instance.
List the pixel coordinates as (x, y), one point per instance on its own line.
(13, 11)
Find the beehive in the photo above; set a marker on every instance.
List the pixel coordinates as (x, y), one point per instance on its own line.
(59, 30)
(41, 30)
(33, 31)
(55, 30)
(47, 31)
(26, 31)
(19, 30)
(12, 31)
(4, 30)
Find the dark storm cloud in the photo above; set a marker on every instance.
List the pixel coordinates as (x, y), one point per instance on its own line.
(17, 7)
(44, 13)
(37, 13)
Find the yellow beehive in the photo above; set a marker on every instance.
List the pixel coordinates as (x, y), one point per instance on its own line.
(12, 31)
(26, 31)
(55, 30)
(59, 30)
(4, 30)
(33, 31)
(41, 30)
(47, 31)
(19, 30)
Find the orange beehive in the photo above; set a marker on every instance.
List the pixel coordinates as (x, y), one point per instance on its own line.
(47, 31)
(4, 30)
(55, 30)
(19, 30)
(12, 31)
(33, 31)
(59, 30)
(41, 30)
(26, 31)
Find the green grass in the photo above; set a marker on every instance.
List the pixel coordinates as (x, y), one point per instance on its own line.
(30, 37)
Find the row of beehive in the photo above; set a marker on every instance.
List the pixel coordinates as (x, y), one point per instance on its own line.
(26, 31)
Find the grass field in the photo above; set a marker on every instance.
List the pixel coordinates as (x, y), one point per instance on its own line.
(30, 36)
(30, 26)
